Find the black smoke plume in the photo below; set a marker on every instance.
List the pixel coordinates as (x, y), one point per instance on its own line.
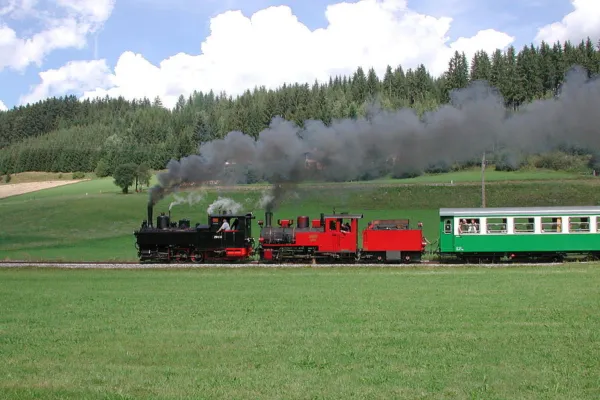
(475, 121)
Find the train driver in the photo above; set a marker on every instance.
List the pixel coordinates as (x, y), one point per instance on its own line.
(224, 226)
(345, 227)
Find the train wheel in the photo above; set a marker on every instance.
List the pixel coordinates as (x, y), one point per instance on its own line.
(592, 257)
(181, 256)
(197, 257)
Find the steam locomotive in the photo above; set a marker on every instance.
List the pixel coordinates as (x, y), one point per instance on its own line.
(334, 238)
(331, 238)
(171, 241)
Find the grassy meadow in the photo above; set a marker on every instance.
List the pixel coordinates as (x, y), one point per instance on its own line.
(453, 333)
(93, 221)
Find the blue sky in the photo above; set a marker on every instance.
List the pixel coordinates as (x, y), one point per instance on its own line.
(158, 29)
(183, 28)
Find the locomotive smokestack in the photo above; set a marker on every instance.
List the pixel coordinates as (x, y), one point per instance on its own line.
(268, 219)
(150, 215)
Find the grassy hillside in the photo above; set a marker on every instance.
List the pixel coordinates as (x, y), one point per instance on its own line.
(518, 333)
(92, 221)
(469, 176)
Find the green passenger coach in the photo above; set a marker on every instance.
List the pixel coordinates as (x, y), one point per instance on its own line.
(541, 233)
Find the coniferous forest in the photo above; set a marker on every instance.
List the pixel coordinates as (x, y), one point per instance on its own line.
(66, 134)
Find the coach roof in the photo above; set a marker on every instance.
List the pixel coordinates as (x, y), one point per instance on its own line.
(514, 211)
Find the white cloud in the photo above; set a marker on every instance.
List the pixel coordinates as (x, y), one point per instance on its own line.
(584, 21)
(15, 8)
(65, 25)
(272, 47)
(3, 106)
(75, 76)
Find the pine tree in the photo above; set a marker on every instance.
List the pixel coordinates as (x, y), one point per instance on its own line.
(372, 84)
(157, 102)
(180, 106)
(400, 89)
(359, 86)
(481, 67)
(457, 75)
(498, 70)
(388, 83)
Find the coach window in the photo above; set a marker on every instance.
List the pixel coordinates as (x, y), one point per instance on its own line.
(524, 225)
(448, 226)
(496, 225)
(469, 225)
(579, 224)
(551, 224)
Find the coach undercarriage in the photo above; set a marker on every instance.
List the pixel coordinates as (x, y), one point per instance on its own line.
(521, 257)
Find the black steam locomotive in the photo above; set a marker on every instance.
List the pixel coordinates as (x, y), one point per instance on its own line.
(178, 241)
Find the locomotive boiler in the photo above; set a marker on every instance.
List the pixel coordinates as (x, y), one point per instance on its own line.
(286, 232)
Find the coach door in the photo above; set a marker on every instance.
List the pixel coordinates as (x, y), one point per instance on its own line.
(333, 235)
(447, 236)
(348, 234)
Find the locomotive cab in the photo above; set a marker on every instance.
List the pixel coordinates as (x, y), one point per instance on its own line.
(239, 234)
(237, 223)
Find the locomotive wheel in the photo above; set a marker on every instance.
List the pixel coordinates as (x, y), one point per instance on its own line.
(182, 255)
(197, 257)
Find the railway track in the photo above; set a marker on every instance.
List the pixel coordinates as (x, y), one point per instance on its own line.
(254, 264)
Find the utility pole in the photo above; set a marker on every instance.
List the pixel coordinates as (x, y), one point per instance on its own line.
(483, 180)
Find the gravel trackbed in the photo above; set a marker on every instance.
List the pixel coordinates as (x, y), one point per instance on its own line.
(13, 264)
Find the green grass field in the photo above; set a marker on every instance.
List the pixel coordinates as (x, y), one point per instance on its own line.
(452, 333)
(92, 221)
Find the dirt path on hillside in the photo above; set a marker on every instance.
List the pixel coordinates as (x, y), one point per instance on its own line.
(14, 189)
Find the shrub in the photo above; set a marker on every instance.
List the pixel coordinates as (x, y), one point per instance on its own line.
(124, 176)
(560, 161)
(102, 169)
(406, 173)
